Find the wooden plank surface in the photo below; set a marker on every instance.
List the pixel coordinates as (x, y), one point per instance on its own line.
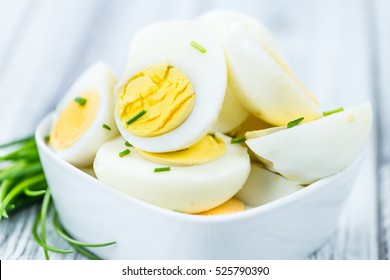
(45, 45)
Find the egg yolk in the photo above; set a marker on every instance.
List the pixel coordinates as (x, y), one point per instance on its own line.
(207, 149)
(74, 121)
(163, 94)
(233, 205)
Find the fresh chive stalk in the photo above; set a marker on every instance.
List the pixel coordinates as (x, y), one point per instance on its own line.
(127, 144)
(162, 169)
(237, 140)
(198, 47)
(136, 117)
(124, 153)
(106, 127)
(82, 101)
(295, 122)
(334, 111)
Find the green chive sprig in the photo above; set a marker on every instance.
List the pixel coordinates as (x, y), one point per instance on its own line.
(136, 117)
(82, 101)
(237, 140)
(334, 111)
(198, 47)
(106, 126)
(124, 153)
(162, 169)
(127, 144)
(295, 122)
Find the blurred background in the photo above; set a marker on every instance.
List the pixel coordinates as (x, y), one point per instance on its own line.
(338, 49)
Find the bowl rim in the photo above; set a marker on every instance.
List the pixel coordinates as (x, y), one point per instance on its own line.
(41, 133)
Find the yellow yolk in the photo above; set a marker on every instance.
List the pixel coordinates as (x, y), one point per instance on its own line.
(164, 92)
(74, 121)
(207, 149)
(233, 205)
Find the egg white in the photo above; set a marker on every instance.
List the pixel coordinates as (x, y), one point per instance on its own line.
(169, 42)
(100, 78)
(264, 186)
(189, 189)
(262, 85)
(308, 152)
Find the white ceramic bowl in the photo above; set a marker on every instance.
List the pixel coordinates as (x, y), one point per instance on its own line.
(289, 228)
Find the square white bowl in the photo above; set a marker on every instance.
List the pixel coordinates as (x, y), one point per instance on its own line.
(289, 228)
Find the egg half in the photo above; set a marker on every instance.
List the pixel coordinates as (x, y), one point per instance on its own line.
(233, 112)
(173, 86)
(84, 118)
(264, 186)
(263, 81)
(308, 152)
(189, 189)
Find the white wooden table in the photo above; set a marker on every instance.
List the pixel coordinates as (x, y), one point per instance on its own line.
(339, 49)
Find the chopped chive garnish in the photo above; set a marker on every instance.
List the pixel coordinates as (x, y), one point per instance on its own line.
(237, 140)
(124, 153)
(338, 110)
(295, 122)
(198, 47)
(162, 169)
(80, 100)
(106, 127)
(136, 117)
(127, 144)
(47, 138)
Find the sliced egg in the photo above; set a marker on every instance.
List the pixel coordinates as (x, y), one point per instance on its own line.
(308, 152)
(263, 82)
(233, 205)
(264, 186)
(173, 86)
(84, 118)
(189, 189)
(233, 112)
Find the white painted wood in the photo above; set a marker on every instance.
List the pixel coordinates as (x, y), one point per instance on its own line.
(44, 46)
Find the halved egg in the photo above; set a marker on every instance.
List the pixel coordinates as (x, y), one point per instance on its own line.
(173, 86)
(264, 186)
(308, 152)
(233, 205)
(84, 118)
(263, 81)
(189, 181)
(234, 113)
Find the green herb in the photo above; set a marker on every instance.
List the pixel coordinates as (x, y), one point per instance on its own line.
(128, 144)
(198, 47)
(237, 140)
(47, 138)
(82, 101)
(136, 117)
(295, 122)
(23, 183)
(124, 153)
(338, 110)
(106, 127)
(162, 169)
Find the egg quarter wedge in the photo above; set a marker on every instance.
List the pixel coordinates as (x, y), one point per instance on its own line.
(233, 112)
(165, 59)
(189, 189)
(84, 118)
(310, 151)
(263, 82)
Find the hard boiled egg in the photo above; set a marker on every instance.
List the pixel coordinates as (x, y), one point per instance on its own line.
(314, 150)
(234, 113)
(264, 186)
(263, 81)
(181, 187)
(84, 118)
(172, 89)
